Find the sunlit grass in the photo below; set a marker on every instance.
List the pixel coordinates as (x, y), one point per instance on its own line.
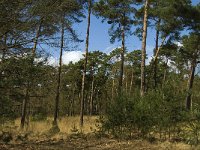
(65, 124)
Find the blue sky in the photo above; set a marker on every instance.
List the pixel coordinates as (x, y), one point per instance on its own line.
(100, 40)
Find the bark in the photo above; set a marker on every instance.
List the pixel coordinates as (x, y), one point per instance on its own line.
(24, 107)
(144, 35)
(190, 85)
(4, 47)
(85, 64)
(26, 99)
(92, 94)
(131, 84)
(126, 85)
(113, 88)
(59, 74)
(72, 102)
(36, 38)
(157, 52)
(155, 62)
(165, 73)
(122, 62)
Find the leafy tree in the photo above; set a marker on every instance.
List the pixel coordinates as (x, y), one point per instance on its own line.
(119, 15)
(191, 50)
(67, 15)
(144, 37)
(89, 3)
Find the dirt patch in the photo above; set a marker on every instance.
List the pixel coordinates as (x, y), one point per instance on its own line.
(88, 143)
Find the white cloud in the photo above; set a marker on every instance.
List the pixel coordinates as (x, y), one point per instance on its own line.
(149, 49)
(179, 44)
(72, 56)
(109, 49)
(52, 61)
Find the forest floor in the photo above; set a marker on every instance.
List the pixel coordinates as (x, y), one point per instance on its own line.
(93, 144)
(36, 137)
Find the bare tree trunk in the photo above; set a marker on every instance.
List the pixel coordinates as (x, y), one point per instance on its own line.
(190, 85)
(157, 52)
(85, 64)
(4, 47)
(72, 103)
(36, 38)
(165, 73)
(24, 107)
(122, 62)
(113, 88)
(92, 94)
(131, 84)
(143, 86)
(155, 62)
(126, 79)
(59, 74)
(26, 99)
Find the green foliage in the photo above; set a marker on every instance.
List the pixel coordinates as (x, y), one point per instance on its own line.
(6, 114)
(191, 129)
(118, 14)
(155, 112)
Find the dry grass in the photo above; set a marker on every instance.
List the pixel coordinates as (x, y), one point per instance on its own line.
(65, 124)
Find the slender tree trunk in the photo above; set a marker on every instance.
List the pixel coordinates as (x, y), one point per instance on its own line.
(131, 84)
(122, 62)
(24, 107)
(85, 64)
(165, 73)
(157, 52)
(36, 38)
(126, 79)
(155, 62)
(143, 86)
(113, 89)
(72, 103)
(59, 74)
(190, 85)
(4, 47)
(26, 99)
(92, 94)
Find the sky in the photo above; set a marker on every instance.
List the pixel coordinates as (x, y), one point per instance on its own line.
(100, 40)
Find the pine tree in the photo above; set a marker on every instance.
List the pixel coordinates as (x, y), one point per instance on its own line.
(119, 14)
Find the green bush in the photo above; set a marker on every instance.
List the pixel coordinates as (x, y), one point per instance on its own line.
(155, 112)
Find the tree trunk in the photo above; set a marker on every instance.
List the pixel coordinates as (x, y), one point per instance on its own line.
(113, 88)
(155, 62)
(59, 74)
(85, 64)
(190, 85)
(72, 102)
(92, 94)
(4, 47)
(131, 84)
(165, 73)
(143, 86)
(26, 99)
(122, 62)
(24, 107)
(36, 38)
